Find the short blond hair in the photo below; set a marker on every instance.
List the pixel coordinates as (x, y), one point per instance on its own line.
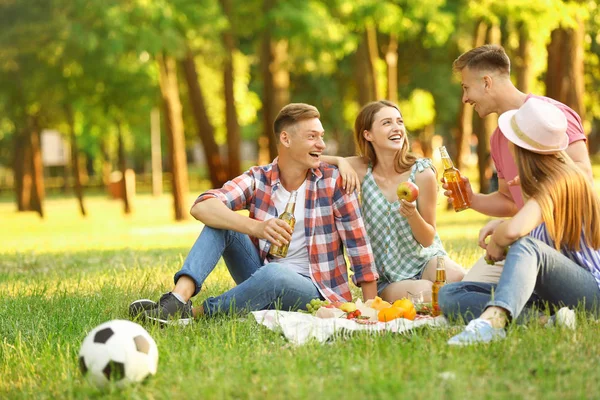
(489, 57)
(292, 114)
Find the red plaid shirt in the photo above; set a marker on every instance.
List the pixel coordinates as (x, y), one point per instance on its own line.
(331, 218)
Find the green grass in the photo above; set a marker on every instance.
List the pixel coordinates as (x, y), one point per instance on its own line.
(61, 277)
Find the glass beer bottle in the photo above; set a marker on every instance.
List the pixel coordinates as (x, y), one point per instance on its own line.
(460, 198)
(288, 217)
(440, 281)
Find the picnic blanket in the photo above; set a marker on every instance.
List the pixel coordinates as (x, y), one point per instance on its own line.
(299, 328)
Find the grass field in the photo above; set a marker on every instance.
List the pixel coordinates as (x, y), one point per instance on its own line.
(61, 277)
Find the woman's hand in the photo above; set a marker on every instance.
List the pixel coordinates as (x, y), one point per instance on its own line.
(407, 209)
(350, 180)
(494, 252)
(488, 230)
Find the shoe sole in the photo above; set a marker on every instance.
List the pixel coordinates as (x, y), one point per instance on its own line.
(137, 308)
(168, 322)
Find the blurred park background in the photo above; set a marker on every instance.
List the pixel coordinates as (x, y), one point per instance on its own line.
(118, 97)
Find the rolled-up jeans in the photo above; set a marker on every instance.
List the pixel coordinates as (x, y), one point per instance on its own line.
(259, 286)
(532, 271)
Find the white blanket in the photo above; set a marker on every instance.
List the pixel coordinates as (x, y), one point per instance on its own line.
(299, 328)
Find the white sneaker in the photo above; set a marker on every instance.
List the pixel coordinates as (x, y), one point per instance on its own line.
(564, 317)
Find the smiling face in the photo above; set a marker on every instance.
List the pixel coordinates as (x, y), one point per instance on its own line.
(388, 131)
(477, 86)
(303, 143)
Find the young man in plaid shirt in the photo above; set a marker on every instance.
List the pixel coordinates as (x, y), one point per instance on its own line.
(327, 219)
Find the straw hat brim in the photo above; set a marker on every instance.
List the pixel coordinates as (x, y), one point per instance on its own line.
(509, 133)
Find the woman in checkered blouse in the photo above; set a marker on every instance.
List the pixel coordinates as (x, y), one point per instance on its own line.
(402, 234)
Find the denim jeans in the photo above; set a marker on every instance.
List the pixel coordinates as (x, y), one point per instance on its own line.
(258, 287)
(533, 271)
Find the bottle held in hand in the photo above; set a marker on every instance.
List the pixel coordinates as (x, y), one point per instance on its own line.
(288, 217)
(440, 281)
(460, 198)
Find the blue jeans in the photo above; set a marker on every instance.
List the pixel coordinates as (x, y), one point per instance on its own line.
(258, 287)
(533, 271)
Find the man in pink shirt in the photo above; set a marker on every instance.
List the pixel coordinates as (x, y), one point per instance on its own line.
(485, 73)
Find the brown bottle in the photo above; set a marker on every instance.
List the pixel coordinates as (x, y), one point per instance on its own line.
(440, 281)
(288, 217)
(460, 198)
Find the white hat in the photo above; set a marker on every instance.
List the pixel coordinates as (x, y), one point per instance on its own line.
(538, 126)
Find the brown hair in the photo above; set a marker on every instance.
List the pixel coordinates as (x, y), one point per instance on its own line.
(489, 57)
(570, 207)
(364, 122)
(292, 114)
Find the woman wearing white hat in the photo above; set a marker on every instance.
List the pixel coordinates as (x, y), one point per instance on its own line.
(554, 239)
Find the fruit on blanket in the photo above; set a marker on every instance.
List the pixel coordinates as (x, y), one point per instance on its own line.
(410, 314)
(325, 313)
(390, 314)
(315, 304)
(407, 191)
(353, 314)
(378, 303)
(348, 307)
(404, 303)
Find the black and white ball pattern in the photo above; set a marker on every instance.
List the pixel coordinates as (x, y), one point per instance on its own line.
(119, 351)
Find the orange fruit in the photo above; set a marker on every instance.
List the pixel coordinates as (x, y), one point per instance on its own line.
(389, 314)
(410, 314)
(404, 303)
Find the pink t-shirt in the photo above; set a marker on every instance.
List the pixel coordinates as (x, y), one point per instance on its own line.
(503, 160)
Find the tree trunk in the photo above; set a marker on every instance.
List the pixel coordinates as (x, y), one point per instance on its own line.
(425, 138)
(22, 172)
(465, 115)
(484, 129)
(564, 77)
(231, 118)
(365, 73)
(106, 162)
(37, 169)
(75, 162)
(123, 169)
(206, 131)
(157, 170)
(523, 59)
(175, 134)
(276, 82)
(391, 59)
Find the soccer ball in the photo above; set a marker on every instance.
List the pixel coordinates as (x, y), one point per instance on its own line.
(119, 351)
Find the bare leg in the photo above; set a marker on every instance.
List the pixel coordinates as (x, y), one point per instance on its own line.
(496, 315)
(185, 287)
(398, 290)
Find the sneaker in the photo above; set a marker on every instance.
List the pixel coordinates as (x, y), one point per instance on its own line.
(478, 331)
(139, 306)
(170, 311)
(565, 317)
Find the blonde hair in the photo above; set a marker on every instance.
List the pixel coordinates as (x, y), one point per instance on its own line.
(570, 207)
(364, 122)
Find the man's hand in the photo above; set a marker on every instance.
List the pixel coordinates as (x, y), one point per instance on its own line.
(448, 192)
(274, 230)
(350, 180)
(488, 230)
